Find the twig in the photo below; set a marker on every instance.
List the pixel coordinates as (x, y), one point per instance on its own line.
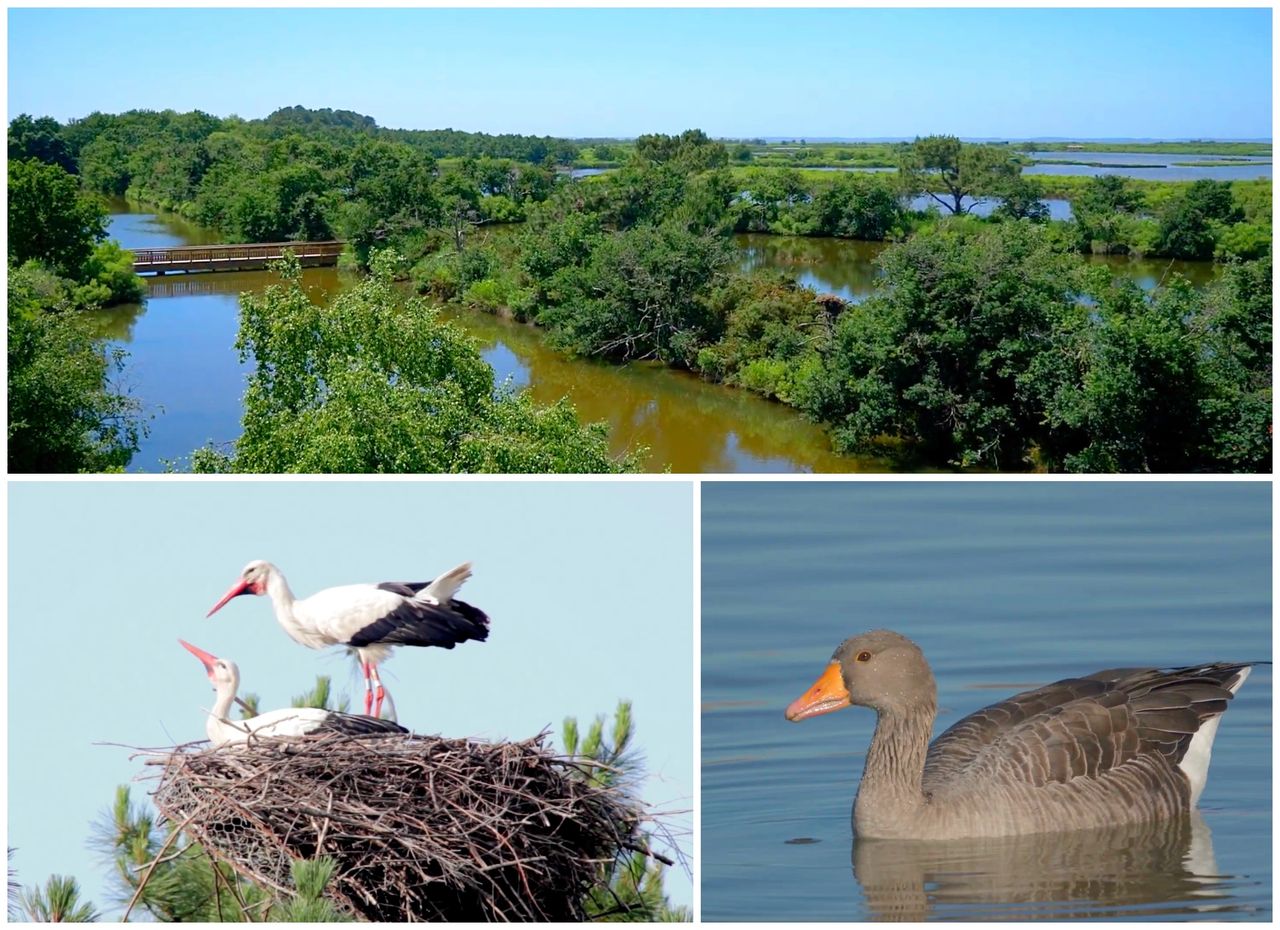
(151, 867)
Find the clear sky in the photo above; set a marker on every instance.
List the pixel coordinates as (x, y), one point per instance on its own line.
(1083, 73)
(589, 587)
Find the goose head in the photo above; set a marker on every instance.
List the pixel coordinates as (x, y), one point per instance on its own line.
(881, 669)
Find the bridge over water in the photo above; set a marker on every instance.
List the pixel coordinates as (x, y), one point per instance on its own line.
(245, 257)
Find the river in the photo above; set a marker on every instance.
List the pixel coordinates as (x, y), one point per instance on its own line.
(184, 369)
(1004, 586)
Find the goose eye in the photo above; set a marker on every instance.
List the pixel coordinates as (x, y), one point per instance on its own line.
(864, 657)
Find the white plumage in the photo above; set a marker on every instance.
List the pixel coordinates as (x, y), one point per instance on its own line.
(369, 618)
(1195, 763)
(287, 722)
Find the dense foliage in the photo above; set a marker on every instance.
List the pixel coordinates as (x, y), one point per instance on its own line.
(996, 348)
(371, 383)
(988, 343)
(65, 412)
(300, 174)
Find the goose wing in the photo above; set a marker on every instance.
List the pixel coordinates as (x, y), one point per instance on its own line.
(1081, 726)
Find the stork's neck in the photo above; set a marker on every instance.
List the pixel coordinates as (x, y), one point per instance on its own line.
(282, 599)
(222, 706)
(890, 793)
(216, 726)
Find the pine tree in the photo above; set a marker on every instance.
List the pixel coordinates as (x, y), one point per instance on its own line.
(631, 888)
(58, 902)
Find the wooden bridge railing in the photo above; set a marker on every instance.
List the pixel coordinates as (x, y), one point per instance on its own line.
(233, 257)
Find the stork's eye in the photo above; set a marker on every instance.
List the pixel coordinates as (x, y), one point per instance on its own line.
(864, 657)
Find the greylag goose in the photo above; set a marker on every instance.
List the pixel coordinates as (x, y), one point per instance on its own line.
(1118, 746)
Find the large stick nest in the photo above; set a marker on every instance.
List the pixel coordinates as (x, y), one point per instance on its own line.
(421, 827)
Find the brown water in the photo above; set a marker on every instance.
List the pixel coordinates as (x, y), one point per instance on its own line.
(184, 368)
(847, 268)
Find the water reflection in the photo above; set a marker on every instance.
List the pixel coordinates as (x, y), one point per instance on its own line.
(182, 360)
(685, 423)
(1163, 869)
(846, 267)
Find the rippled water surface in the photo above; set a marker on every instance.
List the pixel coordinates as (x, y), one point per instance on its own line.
(1005, 587)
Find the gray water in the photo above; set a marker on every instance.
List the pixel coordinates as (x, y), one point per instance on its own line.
(1005, 586)
(985, 206)
(1154, 166)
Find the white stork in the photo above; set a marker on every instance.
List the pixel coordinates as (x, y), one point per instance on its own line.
(291, 721)
(369, 618)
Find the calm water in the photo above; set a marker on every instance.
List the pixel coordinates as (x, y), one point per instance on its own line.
(846, 267)
(184, 368)
(1004, 586)
(1156, 167)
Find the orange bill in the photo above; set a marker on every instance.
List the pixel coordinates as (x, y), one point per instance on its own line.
(827, 694)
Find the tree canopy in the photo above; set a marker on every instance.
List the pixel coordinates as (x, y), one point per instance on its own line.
(372, 383)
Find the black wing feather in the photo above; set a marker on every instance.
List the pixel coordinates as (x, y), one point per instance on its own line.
(417, 624)
(358, 725)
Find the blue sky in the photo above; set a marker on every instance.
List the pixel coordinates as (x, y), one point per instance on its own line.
(589, 586)
(1084, 73)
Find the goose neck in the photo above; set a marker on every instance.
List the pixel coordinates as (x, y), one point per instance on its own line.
(890, 793)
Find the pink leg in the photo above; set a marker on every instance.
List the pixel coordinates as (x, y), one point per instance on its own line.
(377, 711)
(368, 689)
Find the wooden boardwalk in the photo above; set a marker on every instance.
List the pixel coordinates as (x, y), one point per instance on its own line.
(247, 257)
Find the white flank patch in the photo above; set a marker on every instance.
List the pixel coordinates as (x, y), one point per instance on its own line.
(1195, 764)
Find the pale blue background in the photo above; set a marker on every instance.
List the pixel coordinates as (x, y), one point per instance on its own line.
(589, 586)
(1084, 73)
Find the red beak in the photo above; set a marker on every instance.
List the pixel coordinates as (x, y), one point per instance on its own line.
(200, 654)
(240, 587)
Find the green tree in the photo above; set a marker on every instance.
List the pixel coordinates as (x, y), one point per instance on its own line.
(1021, 198)
(1103, 211)
(1233, 327)
(641, 294)
(64, 413)
(856, 207)
(50, 219)
(958, 169)
(460, 200)
(631, 887)
(935, 356)
(1187, 222)
(41, 139)
(690, 152)
(373, 383)
(57, 902)
(1120, 384)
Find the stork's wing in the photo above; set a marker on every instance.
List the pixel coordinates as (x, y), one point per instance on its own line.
(359, 725)
(1081, 726)
(417, 624)
(403, 588)
(441, 589)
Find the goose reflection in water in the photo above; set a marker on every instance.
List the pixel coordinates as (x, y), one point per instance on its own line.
(1155, 869)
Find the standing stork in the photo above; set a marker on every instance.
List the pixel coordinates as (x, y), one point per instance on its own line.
(290, 721)
(369, 618)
